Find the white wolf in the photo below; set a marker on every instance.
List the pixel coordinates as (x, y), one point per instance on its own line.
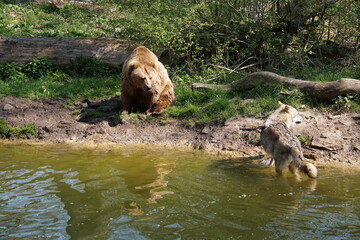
(284, 147)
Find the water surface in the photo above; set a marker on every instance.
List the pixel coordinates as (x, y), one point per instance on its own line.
(57, 192)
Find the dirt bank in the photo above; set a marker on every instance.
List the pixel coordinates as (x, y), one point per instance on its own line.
(332, 138)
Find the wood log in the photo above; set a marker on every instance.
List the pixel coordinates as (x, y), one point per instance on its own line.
(321, 90)
(60, 51)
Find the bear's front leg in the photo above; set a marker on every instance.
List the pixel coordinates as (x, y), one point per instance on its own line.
(127, 102)
(163, 102)
(152, 103)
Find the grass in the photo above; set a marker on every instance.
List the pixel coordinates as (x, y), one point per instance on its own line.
(183, 33)
(73, 88)
(83, 78)
(39, 79)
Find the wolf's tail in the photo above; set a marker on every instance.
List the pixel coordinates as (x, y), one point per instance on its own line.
(309, 169)
(305, 167)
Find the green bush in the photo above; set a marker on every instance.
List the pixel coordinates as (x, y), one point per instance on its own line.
(11, 72)
(4, 129)
(269, 34)
(8, 131)
(88, 67)
(37, 67)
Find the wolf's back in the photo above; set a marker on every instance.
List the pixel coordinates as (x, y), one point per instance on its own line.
(278, 137)
(278, 141)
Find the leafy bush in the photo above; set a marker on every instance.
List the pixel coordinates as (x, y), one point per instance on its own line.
(11, 72)
(33, 69)
(40, 67)
(8, 131)
(268, 34)
(88, 67)
(37, 67)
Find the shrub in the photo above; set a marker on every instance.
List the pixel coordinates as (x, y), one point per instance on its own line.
(37, 67)
(11, 72)
(8, 131)
(88, 67)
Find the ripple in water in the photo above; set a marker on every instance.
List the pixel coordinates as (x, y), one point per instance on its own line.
(156, 193)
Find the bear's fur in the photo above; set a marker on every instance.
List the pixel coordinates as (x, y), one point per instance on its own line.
(145, 83)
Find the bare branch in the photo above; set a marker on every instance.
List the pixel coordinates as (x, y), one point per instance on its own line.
(321, 90)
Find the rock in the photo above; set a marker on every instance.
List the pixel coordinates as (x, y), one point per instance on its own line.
(48, 128)
(331, 141)
(206, 130)
(8, 107)
(142, 117)
(199, 146)
(94, 104)
(249, 100)
(125, 120)
(311, 155)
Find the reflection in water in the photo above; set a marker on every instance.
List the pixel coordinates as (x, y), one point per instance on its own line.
(133, 208)
(146, 193)
(155, 187)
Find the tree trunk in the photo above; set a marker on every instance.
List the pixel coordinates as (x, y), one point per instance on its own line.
(321, 90)
(60, 51)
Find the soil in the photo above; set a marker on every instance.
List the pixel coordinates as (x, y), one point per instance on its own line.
(330, 138)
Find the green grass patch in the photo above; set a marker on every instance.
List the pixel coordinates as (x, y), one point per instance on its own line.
(206, 106)
(305, 140)
(89, 79)
(82, 78)
(8, 131)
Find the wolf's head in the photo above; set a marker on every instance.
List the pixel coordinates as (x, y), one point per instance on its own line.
(284, 113)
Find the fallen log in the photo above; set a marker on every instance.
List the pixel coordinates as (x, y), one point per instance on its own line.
(60, 51)
(321, 90)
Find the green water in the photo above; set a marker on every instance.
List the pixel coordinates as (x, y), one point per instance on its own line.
(156, 193)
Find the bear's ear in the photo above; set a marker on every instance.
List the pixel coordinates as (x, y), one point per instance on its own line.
(153, 65)
(133, 66)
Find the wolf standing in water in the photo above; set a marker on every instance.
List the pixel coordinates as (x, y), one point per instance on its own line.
(284, 147)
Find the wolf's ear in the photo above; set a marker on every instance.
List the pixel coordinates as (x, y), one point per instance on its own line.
(285, 109)
(280, 103)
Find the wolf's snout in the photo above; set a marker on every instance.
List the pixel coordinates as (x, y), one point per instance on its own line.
(298, 120)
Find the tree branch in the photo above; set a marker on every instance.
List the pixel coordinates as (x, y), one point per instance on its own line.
(321, 90)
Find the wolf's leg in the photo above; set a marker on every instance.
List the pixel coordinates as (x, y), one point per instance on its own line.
(278, 167)
(271, 161)
(281, 162)
(294, 170)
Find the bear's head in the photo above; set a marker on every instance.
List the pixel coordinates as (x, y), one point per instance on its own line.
(143, 76)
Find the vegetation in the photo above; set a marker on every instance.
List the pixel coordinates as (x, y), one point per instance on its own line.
(211, 41)
(82, 78)
(8, 131)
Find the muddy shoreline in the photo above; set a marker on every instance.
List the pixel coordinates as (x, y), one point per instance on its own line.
(331, 138)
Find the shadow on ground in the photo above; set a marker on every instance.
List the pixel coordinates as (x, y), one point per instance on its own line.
(93, 112)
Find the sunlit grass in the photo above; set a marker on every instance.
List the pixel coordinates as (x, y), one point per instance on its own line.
(85, 79)
(88, 79)
(75, 88)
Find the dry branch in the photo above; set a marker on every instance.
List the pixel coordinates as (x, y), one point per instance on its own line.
(321, 90)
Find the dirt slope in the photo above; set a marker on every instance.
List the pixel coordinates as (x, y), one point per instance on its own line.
(333, 138)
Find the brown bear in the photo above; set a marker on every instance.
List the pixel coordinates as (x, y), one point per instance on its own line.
(145, 83)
